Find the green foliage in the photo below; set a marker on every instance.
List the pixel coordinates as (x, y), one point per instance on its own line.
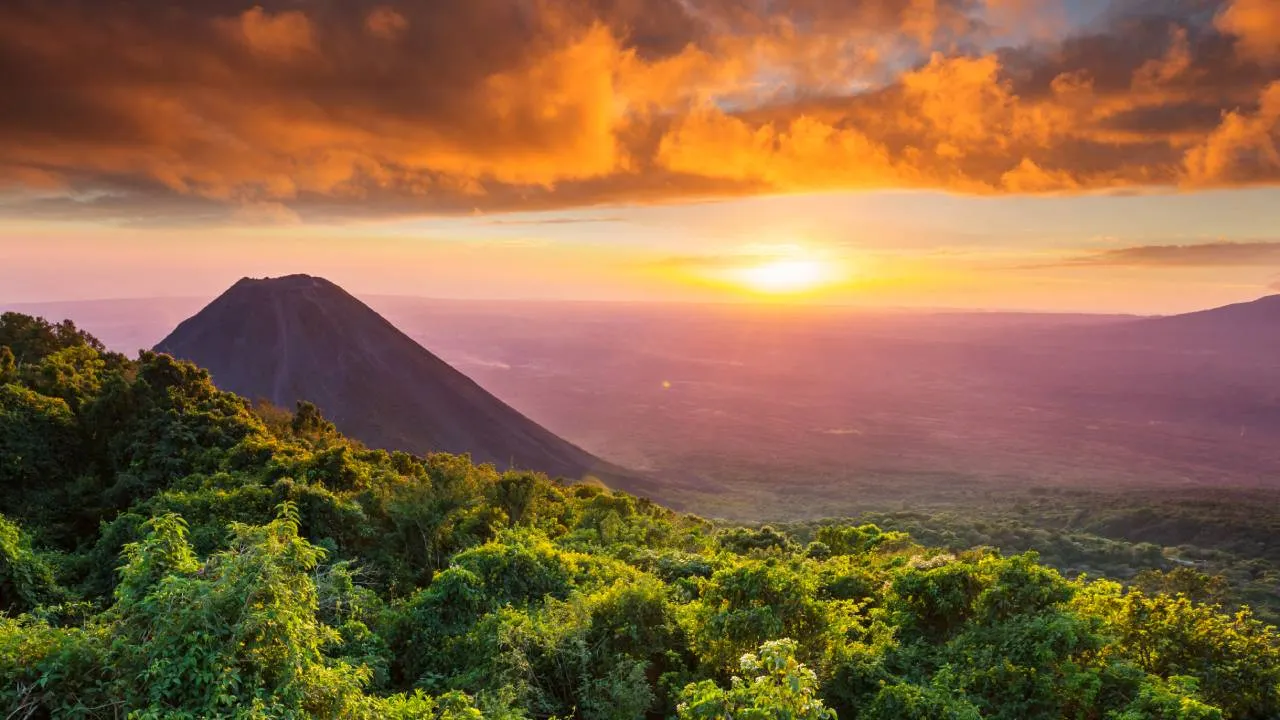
(904, 701)
(752, 602)
(48, 671)
(37, 433)
(163, 552)
(856, 539)
(8, 365)
(1002, 631)
(1174, 699)
(520, 569)
(238, 631)
(26, 580)
(1199, 587)
(170, 551)
(73, 375)
(776, 687)
(745, 541)
(31, 339)
(1233, 658)
(308, 422)
(1230, 537)
(520, 495)
(419, 706)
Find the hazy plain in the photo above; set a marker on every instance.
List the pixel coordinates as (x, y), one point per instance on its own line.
(781, 412)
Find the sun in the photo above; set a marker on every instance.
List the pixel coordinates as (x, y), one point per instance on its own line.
(783, 276)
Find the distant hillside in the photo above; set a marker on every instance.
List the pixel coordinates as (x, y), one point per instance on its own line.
(303, 338)
(1240, 327)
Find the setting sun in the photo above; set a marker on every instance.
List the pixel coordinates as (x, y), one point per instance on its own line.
(785, 275)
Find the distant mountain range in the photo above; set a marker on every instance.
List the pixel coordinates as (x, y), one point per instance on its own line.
(299, 338)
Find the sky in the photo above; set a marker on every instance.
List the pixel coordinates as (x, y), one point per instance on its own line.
(1076, 155)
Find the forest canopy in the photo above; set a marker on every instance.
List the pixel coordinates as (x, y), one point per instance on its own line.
(170, 550)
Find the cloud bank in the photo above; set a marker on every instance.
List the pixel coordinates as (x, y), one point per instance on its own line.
(320, 108)
(1215, 254)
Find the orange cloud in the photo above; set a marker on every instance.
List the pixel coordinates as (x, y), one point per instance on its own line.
(1257, 25)
(1029, 177)
(385, 22)
(805, 154)
(280, 35)
(400, 107)
(1243, 149)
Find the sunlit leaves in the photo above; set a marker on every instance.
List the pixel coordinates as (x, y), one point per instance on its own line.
(773, 685)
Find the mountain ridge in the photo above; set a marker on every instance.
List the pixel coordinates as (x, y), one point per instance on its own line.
(1267, 307)
(1252, 326)
(300, 337)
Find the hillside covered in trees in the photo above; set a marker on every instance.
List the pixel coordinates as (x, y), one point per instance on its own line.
(170, 550)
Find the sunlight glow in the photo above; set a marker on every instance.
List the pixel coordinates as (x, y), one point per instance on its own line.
(784, 269)
(784, 275)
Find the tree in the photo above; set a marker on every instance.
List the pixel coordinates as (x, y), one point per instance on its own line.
(308, 422)
(73, 374)
(753, 602)
(31, 339)
(234, 633)
(1199, 587)
(856, 539)
(905, 701)
(26, 580)
(39, 449)
(518, 495)
(8, 365)
(775, 687)
(420, 706)
(1175, 699)
(1233, 658)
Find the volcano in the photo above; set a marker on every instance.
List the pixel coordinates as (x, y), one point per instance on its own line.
(300, 337)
